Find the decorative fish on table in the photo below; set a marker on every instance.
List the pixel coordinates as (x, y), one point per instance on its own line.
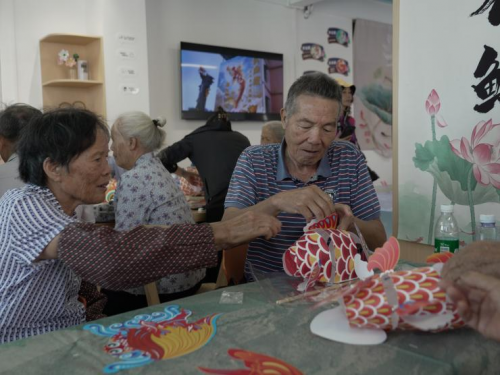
(152, 337)
(407, 300)
(322, 254)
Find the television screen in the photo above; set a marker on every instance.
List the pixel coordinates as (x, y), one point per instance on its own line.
(246, 84)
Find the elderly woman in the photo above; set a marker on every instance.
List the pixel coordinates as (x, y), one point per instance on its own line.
(44, 254)
(147, 194)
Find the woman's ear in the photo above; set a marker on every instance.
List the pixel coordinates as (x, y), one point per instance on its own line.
(52, 170)
(132, 143)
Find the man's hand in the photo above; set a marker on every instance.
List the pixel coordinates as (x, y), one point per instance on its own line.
(346, 216)
(311, 202)
(244, 228)
(482, 256)
(477, 297)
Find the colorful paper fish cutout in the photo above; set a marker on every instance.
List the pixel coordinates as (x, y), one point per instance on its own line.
(256, 364)
(152, 337)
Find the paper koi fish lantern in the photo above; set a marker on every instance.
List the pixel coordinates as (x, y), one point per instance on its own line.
(408, 300)
(322, 254)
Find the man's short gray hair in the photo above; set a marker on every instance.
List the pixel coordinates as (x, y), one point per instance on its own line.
(139, 125)
(277, 131)
(312, 84)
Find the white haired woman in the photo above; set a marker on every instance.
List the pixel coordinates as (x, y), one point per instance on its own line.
(147, 194)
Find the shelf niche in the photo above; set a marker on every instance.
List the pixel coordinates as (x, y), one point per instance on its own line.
(57, 89)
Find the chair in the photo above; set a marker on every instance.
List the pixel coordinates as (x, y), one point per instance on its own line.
(233, 263)
(152, 294)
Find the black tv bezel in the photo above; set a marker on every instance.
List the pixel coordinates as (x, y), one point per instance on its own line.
(233, 116)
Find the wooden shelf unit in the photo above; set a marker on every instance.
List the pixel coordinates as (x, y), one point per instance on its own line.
(57, 88)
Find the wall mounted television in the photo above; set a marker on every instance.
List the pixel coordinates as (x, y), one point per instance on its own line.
(246, 84)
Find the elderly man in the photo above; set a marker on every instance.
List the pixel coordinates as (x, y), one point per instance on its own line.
(290, 179)
(272, 132)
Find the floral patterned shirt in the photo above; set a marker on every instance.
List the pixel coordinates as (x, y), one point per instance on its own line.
(147, 194)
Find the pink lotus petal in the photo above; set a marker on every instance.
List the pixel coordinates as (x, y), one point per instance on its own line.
(465, 150)
(455, 147)
(480, 176)
(482, 154)
(492, 168)
(483, 131)
(477, 132)
(441, 122)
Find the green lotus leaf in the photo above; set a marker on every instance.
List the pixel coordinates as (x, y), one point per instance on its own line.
(378, 99)
(423, 157)
(414, 208)
(452, 189)
(439, 151)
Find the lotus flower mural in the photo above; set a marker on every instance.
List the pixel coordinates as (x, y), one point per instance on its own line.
(466, 170)
(378, 100)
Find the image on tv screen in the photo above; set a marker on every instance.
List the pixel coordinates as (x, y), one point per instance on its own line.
(246, 83)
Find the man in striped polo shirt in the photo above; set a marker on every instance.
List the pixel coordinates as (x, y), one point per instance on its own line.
(290, 179)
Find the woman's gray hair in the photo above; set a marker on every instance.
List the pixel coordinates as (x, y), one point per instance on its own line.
(139, 125)
(312, 84)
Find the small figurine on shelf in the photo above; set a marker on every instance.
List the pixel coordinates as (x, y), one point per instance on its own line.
(70, 61)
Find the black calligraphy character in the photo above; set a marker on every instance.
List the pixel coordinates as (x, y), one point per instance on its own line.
(494, 15)
(488, 88)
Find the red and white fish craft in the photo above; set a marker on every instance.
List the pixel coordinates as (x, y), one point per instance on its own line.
(407, 300)
(322, 254)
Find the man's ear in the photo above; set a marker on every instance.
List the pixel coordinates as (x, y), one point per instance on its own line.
(52, 170)
(283, 117)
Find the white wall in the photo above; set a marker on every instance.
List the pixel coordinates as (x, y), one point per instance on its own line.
(252, 25)
(24, 22)
(372, 10)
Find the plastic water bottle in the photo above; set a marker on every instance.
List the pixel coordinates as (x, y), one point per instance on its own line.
(446, 231)
(487, 228)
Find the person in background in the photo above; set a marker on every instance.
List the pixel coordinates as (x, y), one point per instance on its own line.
(346, 126)
(471, 278)
(146, 194)
(45, 252)
(272, 132)
(290, 179)
(214, 149)
(12, 121)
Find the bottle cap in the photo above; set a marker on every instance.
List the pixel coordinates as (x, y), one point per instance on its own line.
(487, 219)
(447, 208)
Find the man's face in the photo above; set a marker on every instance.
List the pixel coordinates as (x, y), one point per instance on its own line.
(311, 129)
(346, 97)
(87, 176)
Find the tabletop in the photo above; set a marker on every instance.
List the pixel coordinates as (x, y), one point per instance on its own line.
(259, 325)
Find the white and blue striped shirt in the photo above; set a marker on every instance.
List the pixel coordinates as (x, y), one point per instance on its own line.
(261, 173)
(35, 296)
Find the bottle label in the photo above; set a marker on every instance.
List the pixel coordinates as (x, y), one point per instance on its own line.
(445, 246)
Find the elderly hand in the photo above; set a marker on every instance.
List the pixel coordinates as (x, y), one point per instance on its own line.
(346, 216)
(311, 202)
(244, 228)
(477, 297)
(482, 256)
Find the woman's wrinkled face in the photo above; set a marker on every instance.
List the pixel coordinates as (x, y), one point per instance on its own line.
(85, 179)
(120, 148)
